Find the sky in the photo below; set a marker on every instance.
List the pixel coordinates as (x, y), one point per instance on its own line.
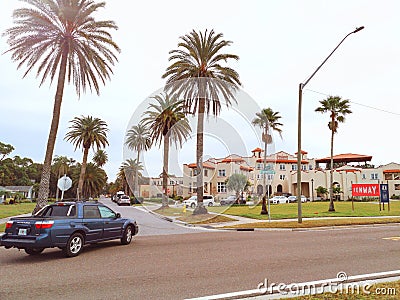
(280, 44)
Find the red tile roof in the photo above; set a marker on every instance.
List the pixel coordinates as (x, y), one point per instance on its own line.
(257, 150)
(391, 171)
(207, 166)
(348, 157)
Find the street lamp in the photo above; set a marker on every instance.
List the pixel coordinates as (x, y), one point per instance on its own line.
(299, 155)
(312, 189)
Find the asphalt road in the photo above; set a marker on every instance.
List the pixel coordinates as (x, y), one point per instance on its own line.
(188, 265)
(148, 223)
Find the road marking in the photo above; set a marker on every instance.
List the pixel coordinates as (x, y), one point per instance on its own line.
(393, 238)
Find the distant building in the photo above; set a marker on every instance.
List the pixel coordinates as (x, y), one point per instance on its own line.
(280, 175)
(26, 191)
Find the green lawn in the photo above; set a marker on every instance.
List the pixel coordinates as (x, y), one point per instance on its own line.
(311, 210)
(15, 209)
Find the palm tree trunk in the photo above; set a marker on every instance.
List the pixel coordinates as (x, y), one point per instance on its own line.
(264, 210)
(165, 172)
(200, 209)
(45, 179)
(136, 191)
(83, 171)
(331, 205)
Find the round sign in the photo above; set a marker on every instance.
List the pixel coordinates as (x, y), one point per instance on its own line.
(64, 183)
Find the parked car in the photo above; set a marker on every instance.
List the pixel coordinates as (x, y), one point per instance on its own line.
(68, 226)
(279, 199)
(117, 196)
(124, 200)
(232, 200)
(293, 199)
(208, 200)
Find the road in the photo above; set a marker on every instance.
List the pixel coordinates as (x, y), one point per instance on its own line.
(179, 266)
(150, 224)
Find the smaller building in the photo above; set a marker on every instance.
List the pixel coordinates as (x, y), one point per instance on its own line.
(26, 191)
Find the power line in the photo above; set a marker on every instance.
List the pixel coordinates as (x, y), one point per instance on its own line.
(371, 107)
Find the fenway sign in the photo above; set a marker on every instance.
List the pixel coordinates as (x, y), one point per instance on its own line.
(365, 190)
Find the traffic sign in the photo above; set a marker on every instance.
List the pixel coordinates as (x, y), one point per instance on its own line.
(64, 183)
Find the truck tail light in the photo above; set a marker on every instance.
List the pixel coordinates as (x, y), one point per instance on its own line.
(44, 224)
(9, 224)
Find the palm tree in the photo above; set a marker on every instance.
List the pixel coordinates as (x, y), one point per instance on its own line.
(63, 40)
(138, 139)
(100, 158)
(267, 120)
(199, 64)
(131, 168)
(167, 122)
(86, 132)
(61, 165)
(95, 179)
(338, 109)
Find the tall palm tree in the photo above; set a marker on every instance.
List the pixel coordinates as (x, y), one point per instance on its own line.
(199, 60)
(61, 166)
(131, 168)
(62, 39)
(167, 122)
(86, 132)
(267, 120)
(338, 109)
(138, 139)
(95, 179)
(100, 158)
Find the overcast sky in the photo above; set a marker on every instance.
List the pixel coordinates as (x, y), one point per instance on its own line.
(280, 44)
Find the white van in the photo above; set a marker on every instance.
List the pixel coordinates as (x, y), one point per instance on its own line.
(208, 200)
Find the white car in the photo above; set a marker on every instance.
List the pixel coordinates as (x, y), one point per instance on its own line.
(192, 201)
(278, 199)
(124, 200)
(293, 199)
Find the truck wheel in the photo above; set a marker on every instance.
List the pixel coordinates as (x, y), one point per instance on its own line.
(74, 245)
(192, 205)
(210, 204)
(127, 236)
(34, 251)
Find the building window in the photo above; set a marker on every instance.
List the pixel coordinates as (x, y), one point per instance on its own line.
(259, 166)
(171, 182)
(294, 167)
(374, 176)
(190, 187)
(221, 187)
(304, 167)
(270, 176)
(397, 187)
(195, 172)
(310, 167)
(205, 172)
(221, 173)
(363, 176)
(282, 177)
(282, 167)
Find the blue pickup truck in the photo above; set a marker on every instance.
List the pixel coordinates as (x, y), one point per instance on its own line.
(68, 226)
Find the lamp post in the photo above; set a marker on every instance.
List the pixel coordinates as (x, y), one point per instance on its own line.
(299, 155)
(312, 189)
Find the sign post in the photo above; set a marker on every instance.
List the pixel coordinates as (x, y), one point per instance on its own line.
(64, 183)
(384, 195)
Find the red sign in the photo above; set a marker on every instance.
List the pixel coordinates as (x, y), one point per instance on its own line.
(365, 189)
